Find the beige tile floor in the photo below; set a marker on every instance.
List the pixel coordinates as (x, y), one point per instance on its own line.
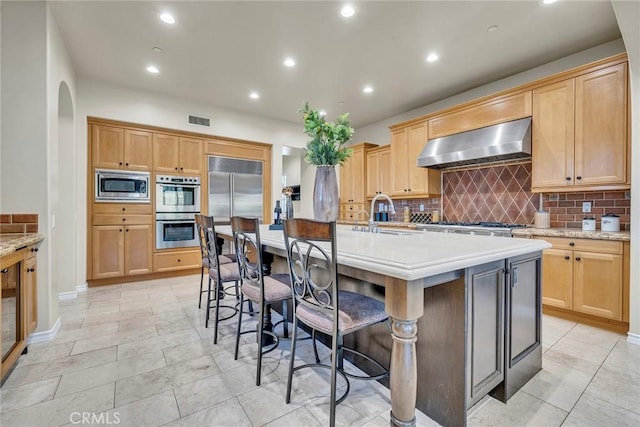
(139, 355)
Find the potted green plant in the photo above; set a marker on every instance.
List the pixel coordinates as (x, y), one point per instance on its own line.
(326, 149)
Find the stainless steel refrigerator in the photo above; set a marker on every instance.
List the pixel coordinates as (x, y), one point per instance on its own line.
(235, 188)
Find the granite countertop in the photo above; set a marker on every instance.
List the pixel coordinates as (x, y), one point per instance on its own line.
(12, 242)
(381, 224)
(412, 255)
(576, 233)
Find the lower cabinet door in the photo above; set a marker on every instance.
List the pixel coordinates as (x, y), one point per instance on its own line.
(557, 278)
(108, 251)
(598, 284)
(31, 289)
(138, 245)
(485, 330)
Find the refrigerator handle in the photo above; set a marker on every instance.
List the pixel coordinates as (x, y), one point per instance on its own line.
(231, 213)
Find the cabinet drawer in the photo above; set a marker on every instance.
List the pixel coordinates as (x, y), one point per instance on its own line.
(122, 208)
(121, 219)
(168, 261)
(589, 245)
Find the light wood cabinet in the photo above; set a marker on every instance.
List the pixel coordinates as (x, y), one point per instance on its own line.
(117, 148)
(408, 179)
(177, 154)
(122, 250)
(352, 180)
(31, 291)
(584, 275)
(580, 138)
(491, 112)
(178, 260)
(379, 171)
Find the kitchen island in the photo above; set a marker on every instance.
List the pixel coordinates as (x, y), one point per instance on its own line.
(459, 287)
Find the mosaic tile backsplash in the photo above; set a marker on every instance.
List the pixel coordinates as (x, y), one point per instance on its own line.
(18, 223)
(493, 193)
(566, 211)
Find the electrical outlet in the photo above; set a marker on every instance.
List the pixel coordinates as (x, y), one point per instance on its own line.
(586, 207)
(553, 197)
(627, 194)
(421, 207)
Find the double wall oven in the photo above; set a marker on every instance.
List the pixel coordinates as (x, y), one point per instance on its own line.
(177, 203)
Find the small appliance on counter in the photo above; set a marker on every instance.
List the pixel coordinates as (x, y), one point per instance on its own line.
(542, 219)
(610, 223)
(589, 223)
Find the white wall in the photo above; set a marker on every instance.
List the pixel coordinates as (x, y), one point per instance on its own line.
(628, 16)
(104, 100)
(24, 168)
(378, 133)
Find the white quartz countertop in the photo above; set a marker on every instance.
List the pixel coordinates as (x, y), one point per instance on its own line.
(414, 255)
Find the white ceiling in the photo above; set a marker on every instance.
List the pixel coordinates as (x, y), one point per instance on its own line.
(217, 52)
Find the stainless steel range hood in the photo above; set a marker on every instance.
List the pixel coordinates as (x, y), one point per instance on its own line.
(510, 140)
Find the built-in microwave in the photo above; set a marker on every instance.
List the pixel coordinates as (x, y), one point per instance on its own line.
(122, 186)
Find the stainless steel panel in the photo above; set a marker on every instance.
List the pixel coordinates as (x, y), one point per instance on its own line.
(228, 165)
(247, 195)
(220, 196)
(524, 320)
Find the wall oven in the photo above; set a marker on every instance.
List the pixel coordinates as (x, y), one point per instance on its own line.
(177, 193)
(176, 230)
(120, 186)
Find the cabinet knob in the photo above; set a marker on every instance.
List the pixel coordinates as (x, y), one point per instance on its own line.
(4, 271)
(179, 260)
(176, 168)
(567, 257)
(127, 230)
(568, 178)
(181, 168)
(34, 249)
(124, 209)
(578, 177)
(409, 190)
(572, 244)
(124, 219)
(31, 270)
(121, 230)
(126, 164)
(578, 258)
(120, 164)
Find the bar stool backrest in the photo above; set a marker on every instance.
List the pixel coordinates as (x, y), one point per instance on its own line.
(212, 247)
(312, 259)
(202, 234)
(246, 237)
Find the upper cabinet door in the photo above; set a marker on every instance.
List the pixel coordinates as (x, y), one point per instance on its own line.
(417, 179)
(601, 127)
(165, 153)
(373, 174)
(357, 176)
(137, 150)
(346, 181)
(107, 147)
(399, 160)
(553, 135)
(191, 156)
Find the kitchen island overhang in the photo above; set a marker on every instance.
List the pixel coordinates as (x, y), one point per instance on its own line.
(410, 266)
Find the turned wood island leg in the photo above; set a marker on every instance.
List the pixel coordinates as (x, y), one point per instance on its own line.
(403, 374)
(403, 303)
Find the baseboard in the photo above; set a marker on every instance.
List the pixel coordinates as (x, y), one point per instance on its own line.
(44, 336)
(633, 338)
(62, 296)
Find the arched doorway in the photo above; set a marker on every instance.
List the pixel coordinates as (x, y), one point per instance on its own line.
(63, 189)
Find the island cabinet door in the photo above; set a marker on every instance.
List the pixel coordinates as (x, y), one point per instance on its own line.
(485, 329)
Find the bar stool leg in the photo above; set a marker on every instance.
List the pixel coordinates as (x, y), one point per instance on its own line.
(261, 325)
(206, 322)
(292, 358)
(217, 317)
(235, 355)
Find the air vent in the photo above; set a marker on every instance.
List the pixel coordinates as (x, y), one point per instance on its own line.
(202, 121)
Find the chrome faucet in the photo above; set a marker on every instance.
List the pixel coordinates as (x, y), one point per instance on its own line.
(372, 224)
(355, 227)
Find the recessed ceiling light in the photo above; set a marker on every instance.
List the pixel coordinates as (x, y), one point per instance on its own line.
(323, 113)
(492, 28)
(289, 62)
(347, 11)
(432, 57)
(367, 89)
(167, 18)
(153, 69)
(254, 95)
(341, 103)
(549, 1)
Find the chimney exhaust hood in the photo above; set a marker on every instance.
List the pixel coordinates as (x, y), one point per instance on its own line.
(510, 140)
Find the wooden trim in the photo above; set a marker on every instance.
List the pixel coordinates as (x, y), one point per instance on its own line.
(575, 188)
(626, 249)
(183, 133)
(574, 72)
(598, 322)
(141, 277)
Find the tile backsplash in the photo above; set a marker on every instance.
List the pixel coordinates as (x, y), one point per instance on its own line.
(491, 193)
(18, 223)
(566, 211)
